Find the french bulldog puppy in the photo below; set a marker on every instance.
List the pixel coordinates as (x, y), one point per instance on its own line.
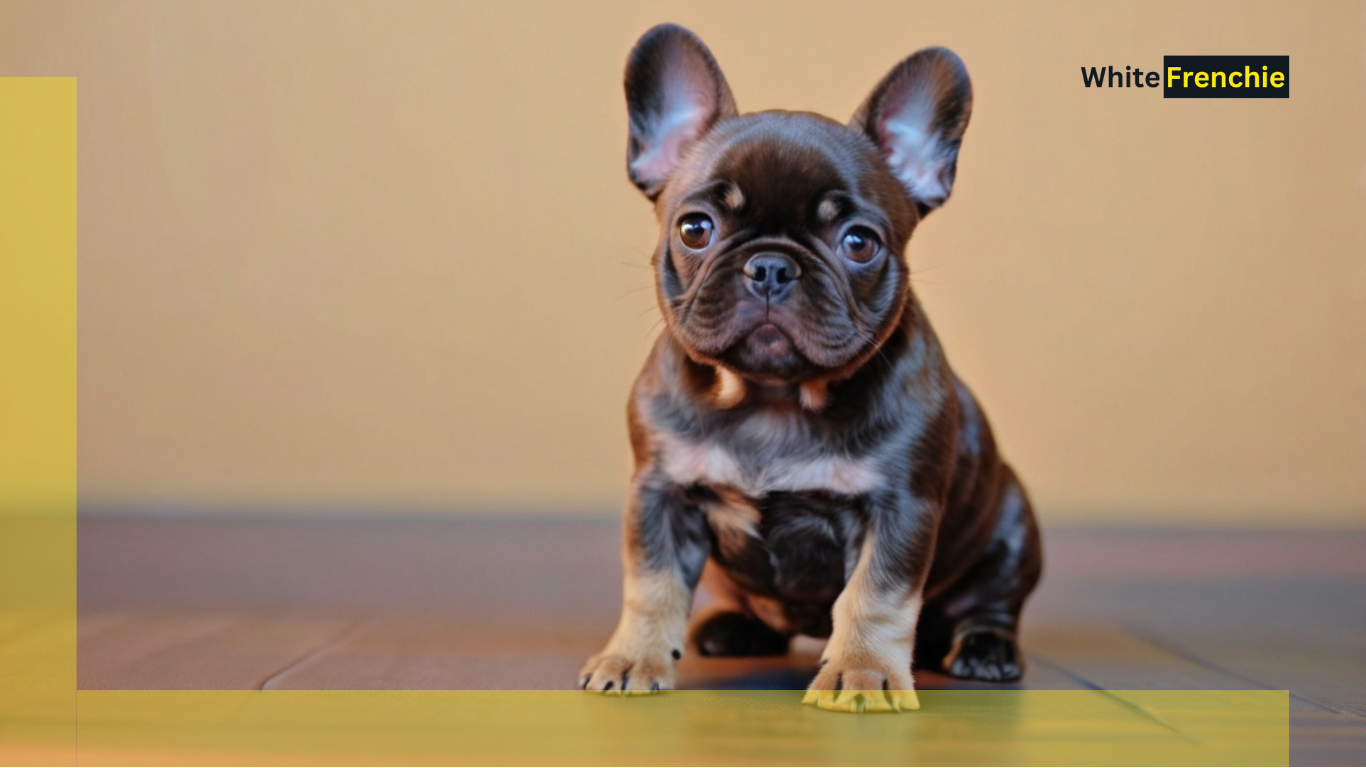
(800, 441)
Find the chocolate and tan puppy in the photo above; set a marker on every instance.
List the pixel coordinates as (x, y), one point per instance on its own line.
(800, 440)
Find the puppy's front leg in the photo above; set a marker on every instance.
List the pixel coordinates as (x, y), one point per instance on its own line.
(867, 662)
(665, 549)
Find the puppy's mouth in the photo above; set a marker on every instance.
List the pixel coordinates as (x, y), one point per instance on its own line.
(769, 339)
(768, 352)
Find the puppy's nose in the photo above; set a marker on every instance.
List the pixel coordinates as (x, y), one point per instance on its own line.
(771, 275)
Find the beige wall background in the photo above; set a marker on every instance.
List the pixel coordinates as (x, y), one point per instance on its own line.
(383, 256)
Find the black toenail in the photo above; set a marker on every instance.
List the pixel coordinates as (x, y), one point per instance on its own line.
(609, 685)
(655, 687)
(677, 654)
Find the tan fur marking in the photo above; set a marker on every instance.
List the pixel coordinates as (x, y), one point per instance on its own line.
(707, 462)
(726, 594)
(734, 521)
(729, 390)
(828, 210)
(734, 511)
(815, 394)
(729, 597)
(735, 198)
(769, 611)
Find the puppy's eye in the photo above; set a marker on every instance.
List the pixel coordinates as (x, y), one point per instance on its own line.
(695, 231)
(860, 244)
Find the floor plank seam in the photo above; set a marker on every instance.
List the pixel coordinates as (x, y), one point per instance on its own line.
(1065, 672)
(1132, 707)
(1170, 647)
(152, 652)
(322, 648)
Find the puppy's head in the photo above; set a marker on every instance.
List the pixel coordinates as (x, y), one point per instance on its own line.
(782, 241)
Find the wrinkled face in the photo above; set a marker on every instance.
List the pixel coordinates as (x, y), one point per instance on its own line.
(781, 251)
(783, 233)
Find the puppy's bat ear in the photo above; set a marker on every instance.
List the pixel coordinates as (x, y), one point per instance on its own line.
(917, 116)
(675, 92)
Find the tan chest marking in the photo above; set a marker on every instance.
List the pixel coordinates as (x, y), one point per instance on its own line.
(715, 465)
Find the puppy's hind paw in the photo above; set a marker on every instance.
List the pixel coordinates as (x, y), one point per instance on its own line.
(728, 633)
(987, 655)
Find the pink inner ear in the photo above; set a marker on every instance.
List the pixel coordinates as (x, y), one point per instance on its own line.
(687, 110)
(675, 131)
(914, 151)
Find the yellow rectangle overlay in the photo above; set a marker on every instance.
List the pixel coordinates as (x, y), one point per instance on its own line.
(45, 720)
(680, 728)
(37, 420)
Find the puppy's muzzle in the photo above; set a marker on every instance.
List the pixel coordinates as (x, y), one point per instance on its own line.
(770, 276)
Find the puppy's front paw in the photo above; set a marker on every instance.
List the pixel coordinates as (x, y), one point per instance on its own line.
(862, 685)
(627, 672)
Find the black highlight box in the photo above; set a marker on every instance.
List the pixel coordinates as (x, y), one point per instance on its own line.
(1226, 77)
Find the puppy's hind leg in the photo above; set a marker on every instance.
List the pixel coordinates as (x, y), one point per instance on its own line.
(972, 631)
(729, 627)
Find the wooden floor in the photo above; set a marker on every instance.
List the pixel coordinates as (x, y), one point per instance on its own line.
(438, 605)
